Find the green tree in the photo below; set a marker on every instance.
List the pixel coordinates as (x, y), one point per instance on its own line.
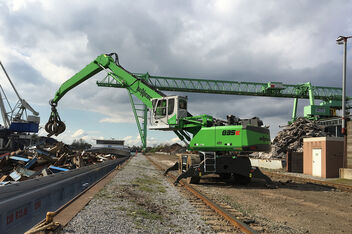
(80, 144)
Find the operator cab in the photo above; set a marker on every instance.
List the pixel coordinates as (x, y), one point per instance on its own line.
(167, 111)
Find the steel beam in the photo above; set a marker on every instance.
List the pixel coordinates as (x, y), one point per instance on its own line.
(231, 87)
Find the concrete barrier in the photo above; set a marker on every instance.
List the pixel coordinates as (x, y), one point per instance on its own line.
(269, 164)
(166, 153)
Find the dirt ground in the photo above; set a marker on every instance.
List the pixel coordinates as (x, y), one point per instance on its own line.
(306, 208)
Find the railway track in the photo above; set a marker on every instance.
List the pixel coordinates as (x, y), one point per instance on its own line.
(220, 216)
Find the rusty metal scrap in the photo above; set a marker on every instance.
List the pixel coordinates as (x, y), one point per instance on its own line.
(291, 138)
(43, 160)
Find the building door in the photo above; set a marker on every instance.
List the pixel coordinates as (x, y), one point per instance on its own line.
(316, 162)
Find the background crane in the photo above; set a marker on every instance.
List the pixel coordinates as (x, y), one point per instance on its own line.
(17, 124)
(325, 112)
(16, 119)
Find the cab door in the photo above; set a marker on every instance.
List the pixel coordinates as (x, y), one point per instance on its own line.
(167, 111)
(162, 109)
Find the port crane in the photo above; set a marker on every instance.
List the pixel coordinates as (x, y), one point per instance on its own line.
(219, 142)
(17, 119)
(324, 112)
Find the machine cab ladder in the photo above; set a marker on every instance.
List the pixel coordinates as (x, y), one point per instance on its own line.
(209, 161)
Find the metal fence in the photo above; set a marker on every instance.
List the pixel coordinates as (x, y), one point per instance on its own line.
(24, 204)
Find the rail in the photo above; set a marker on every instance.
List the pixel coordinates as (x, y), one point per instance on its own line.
(223, 213)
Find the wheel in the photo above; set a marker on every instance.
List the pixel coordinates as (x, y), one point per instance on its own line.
(240, 179)
(191, 161)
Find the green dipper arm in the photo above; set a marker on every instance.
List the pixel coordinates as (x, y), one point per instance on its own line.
(136, 86)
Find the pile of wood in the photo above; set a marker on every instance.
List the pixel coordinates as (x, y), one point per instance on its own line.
(291, 138)
(43, 160)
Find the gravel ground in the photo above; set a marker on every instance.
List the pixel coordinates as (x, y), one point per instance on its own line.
(291, 208)
(138, 200)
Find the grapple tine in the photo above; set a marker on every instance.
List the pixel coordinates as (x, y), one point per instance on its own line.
(54, 126)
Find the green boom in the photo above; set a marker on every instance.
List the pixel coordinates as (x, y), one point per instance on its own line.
(136, 86)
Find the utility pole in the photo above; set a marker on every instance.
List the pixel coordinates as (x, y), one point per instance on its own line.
(343, 40)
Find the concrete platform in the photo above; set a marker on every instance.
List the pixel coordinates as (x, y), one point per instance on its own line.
(346, 173)
(299, 176)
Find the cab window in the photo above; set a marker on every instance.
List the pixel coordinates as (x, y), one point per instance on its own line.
(161, 109)
(170, 107)
(182, 104)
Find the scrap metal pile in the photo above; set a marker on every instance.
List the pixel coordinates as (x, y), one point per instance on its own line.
(40, 161)
(174, 148)
(291, 138)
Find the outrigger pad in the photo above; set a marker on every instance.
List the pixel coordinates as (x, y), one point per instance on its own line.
(189, 173)
(257, 173)
(172, 168)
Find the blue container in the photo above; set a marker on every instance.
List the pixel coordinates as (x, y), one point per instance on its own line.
(24, 127)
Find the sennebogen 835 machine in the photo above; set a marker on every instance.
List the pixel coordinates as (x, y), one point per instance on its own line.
(219, 143)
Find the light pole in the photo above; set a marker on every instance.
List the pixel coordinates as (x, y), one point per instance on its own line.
(343, 40)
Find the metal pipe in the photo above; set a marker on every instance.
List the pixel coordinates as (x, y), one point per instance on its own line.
(343, 129)
(343, 40)
(294, 112)
(344, 87)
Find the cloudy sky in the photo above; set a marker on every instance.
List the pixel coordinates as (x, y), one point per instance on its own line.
(43, 43)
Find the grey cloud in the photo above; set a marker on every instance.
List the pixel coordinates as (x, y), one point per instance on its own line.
(182, 39)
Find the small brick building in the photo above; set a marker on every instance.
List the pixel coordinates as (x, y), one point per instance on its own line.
(323, 156)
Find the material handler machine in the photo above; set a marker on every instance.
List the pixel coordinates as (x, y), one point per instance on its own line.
(222, 145)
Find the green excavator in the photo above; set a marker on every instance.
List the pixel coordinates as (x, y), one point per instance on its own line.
(219, 146)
